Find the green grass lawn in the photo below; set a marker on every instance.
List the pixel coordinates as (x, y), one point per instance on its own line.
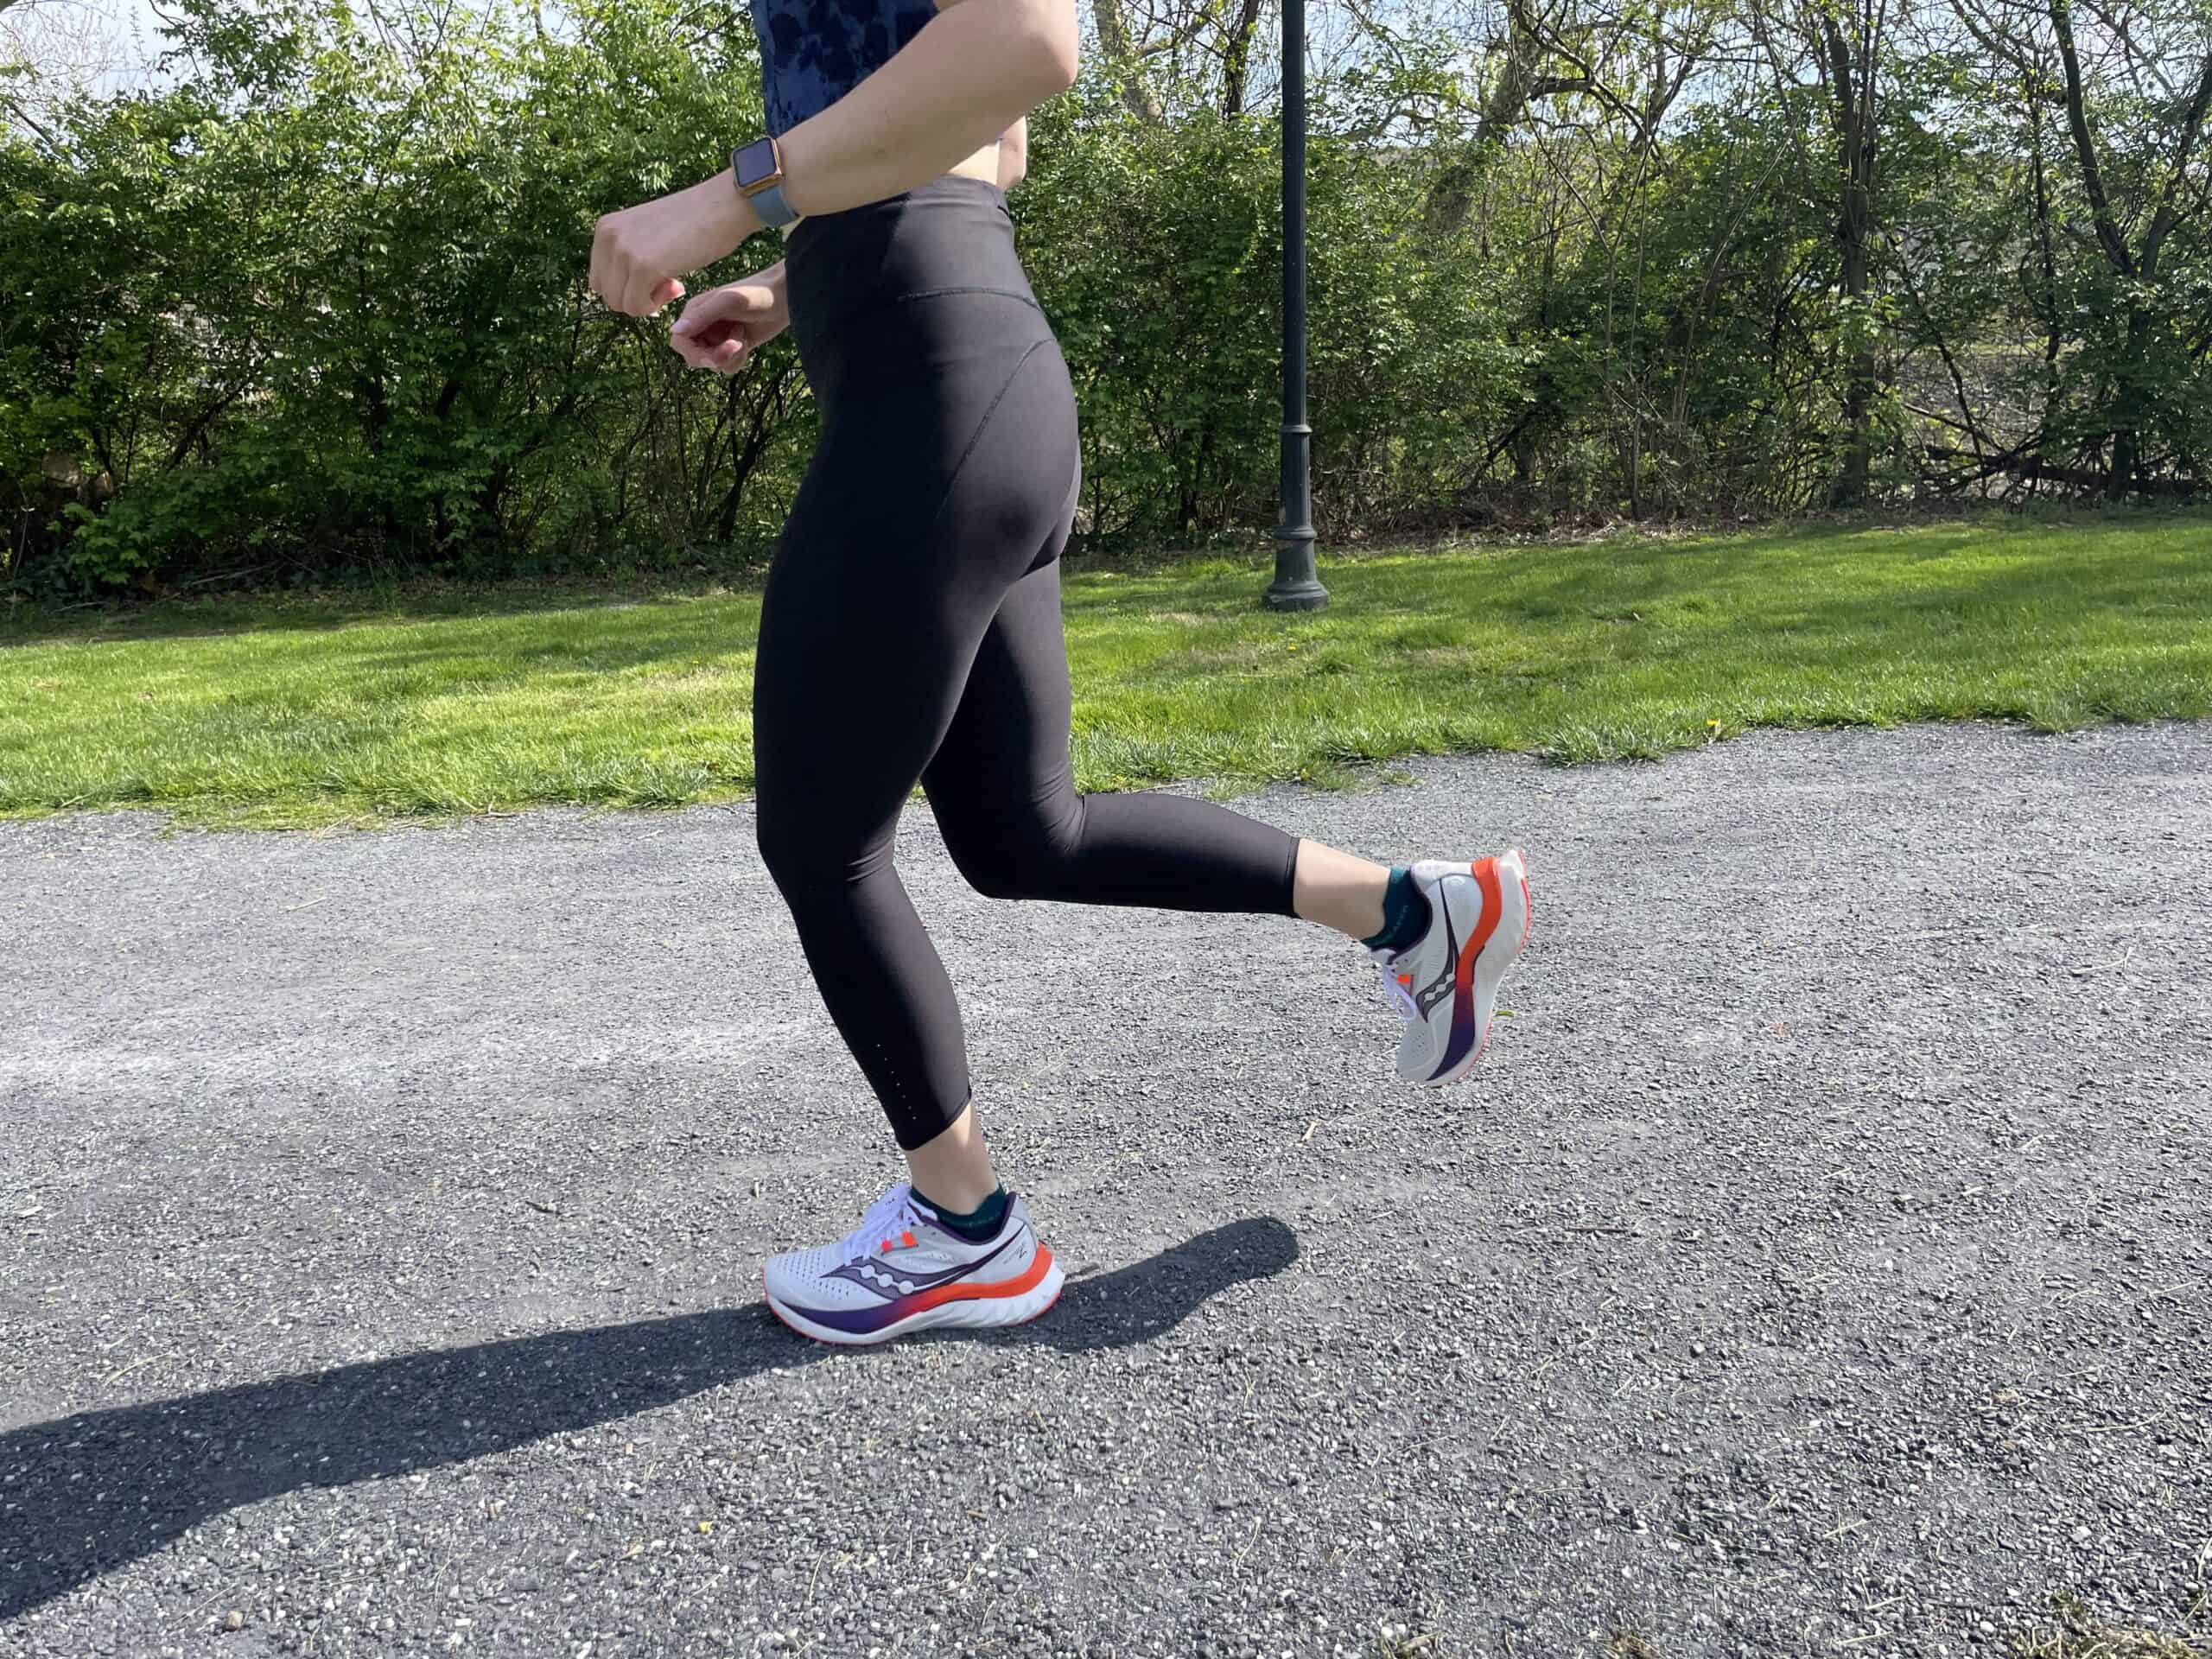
(314, 712)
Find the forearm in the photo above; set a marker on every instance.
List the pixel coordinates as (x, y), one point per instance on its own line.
(971, 75)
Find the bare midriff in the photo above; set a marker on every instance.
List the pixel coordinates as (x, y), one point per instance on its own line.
(984, 164)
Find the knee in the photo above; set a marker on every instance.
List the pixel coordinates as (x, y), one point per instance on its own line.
(782, 848)
(1029, 854)
(805, 855)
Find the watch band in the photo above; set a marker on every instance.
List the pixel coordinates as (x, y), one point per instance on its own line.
(768, 202)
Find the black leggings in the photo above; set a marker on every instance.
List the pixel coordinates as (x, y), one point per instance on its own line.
(911, 630)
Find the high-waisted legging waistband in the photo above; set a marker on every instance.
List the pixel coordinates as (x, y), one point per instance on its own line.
(858, 280)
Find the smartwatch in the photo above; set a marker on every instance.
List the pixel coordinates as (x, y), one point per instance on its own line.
(758, 170)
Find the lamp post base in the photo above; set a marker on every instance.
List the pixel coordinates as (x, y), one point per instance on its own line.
(1296, 588)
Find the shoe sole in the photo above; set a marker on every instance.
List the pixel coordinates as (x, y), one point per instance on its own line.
(981, 1312)
(1485, 959)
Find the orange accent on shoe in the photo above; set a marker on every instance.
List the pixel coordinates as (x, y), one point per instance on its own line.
(1406, 980)
(908, 1239)
(1028, 1281)
(967, 1291)
(1486, 874)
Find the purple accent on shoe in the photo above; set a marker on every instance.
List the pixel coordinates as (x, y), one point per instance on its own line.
(852, 1273)
(860, 1320)
(1463, 1034)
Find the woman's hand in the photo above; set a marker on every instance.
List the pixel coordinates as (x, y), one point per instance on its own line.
(637, 254)
(721, 328)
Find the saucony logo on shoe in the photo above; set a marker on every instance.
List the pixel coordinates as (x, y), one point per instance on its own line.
(1439, 988)
(878, 1274)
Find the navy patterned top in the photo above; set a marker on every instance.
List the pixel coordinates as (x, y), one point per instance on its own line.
(813, 52)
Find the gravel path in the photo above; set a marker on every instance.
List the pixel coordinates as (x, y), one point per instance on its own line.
(1818, 1263)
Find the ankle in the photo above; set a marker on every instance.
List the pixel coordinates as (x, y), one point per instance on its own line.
(981, 1222)
(954, 1168)
(1338, 890)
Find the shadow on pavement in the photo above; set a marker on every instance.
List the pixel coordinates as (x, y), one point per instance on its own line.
(86, 1494)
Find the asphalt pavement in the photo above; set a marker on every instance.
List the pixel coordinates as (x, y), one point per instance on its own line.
(1819, 1262)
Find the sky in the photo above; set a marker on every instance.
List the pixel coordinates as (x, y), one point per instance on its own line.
(113, 42)
(125, 37)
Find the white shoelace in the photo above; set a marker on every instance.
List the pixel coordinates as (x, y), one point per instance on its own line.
(889, 1218)
(1408, 1009)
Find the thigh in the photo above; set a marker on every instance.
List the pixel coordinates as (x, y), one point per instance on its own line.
(916, 518)
(1005, 753)
(858, 669)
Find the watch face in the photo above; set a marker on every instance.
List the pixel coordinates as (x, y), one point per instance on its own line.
(756, 162)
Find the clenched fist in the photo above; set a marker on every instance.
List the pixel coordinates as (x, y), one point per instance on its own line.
(721, 328)
(637, 254)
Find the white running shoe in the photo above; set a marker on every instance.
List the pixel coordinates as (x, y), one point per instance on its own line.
(1445, 984)
(900, 1271)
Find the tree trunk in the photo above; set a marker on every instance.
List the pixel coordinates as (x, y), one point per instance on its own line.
(1451, 196)
(1237, 59)
(1851, 87)
(1114, 36)
(2127, 438)
(2136, 273)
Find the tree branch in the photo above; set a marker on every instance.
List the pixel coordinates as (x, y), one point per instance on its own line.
(2085, 144)
(2168, 213)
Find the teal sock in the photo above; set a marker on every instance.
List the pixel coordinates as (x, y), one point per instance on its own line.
(1405, 913)
(976, 1226)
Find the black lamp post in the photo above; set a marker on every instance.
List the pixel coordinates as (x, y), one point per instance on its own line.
(1296, 588)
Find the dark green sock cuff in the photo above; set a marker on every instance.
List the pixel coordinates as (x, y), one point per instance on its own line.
(975, 1224)
(1405, 913)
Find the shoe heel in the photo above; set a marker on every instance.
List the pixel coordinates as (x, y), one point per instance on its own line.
(1034, 1303)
